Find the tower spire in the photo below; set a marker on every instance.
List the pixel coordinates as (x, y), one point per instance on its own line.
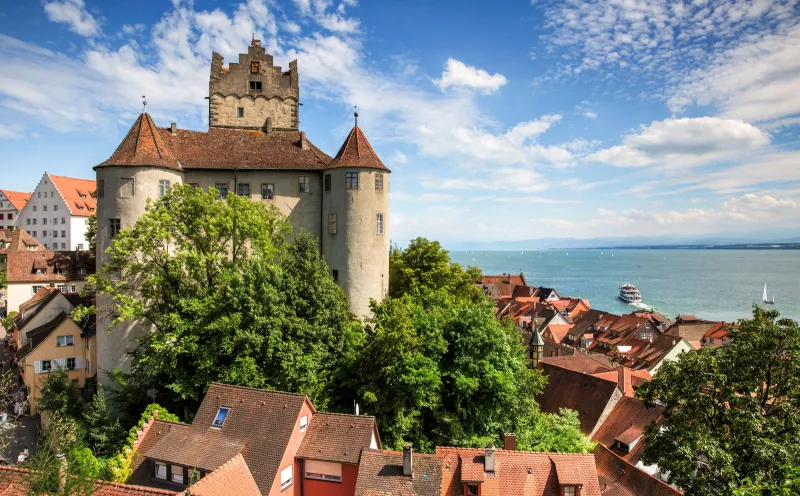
(144, 104)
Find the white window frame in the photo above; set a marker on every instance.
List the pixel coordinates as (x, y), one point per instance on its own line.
(324, 471)
(219, 410)
(74, 363)
(158, 466)
(379, 224)
(304, 184)
(68, 340)
(176, 475)
(163, 187)
(286, 477)
(303, 423)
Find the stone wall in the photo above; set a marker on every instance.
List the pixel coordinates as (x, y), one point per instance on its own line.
(224, 111)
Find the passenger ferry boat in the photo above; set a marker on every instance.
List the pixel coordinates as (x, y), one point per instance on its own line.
(629, 293)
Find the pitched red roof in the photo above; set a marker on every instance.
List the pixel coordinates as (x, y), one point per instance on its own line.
(15, 482)
(557, 332)
(18, 240)
(77, 193)
(233, 477)
(381, 474)
(357, 152)
(22, 266)
(334, 437)
(16, 198)
(627, 422)
(521, 473)
(143, 146)
(619, 478)
(579, 362)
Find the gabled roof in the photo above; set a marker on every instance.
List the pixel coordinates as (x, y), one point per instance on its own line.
(17, 199)
(579, 362)
(22, 266)
(18, 240)
(334, 437)
(32, 307)
(143, 146)
(38, 335)
(558, 331)
(357, 152)
(521, 473)
(381, 474)
(15, 482)
(620, 478)
(77, 194)
(629, 417)
(233, 477)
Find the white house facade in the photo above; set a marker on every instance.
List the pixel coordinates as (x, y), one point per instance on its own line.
(11, 204)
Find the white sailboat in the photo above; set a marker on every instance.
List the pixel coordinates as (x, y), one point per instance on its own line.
(765, 298)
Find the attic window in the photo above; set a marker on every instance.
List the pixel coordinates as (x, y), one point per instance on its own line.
(303, 423)
(222, 414)
(471, 490)
(570, 491)
(255, 86)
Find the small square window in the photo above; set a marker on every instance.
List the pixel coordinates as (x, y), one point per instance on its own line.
(82, 270)
(44, 208)
(47, 366)
(570, 491)
(63, 246)
(114, 227)
(351, 180)
(64, 340)
(27, 222)
(163, 187)
(379, 224)
(177, 474)
(255, 67)
(255, 86)
(63, 220)
(243, 189)
(70, 363)
(63, 234)
(331, 223)
(304, 183)
(378, 182)
(327, 182)
(240, 112)
(472, 490)
(44, 222)
(222, 414)
(161, 471)
(222, 190)
(73, 289)
(34, 208)
(267, 191)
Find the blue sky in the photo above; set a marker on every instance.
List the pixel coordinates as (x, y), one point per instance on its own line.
(500, 120)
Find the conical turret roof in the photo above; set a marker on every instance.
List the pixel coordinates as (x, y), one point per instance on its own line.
(143, 146)
(357, 152)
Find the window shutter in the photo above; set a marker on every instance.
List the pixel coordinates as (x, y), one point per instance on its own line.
(78, 363)
(62, 363)
(37, 366)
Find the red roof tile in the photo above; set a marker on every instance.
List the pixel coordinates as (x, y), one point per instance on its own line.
(336, 437)
(143, 146)
(15, 482)
(357, 152)
(16, 198)
(620, 478)
(22, 266)
(77, 194)
(578, 362)
(18, 240)
(381, 474)
(233, 477)
(628, 419)
(557, 331)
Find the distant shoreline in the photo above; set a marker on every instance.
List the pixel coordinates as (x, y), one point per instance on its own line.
(743, 246)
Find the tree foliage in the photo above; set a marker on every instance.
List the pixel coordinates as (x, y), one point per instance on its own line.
(104, 434)
(228, 299)
(438, 368)
(60, 396)
(91, 232)
(118, 467)
(730, 413)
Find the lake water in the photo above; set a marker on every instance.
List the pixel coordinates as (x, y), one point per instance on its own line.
(711, 284)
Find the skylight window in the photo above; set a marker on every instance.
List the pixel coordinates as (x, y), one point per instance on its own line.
(222, 414)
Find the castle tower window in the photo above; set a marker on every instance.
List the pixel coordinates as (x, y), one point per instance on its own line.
(267, 191)
(163, 187)
(327, 182)
(101, 188)
(379, 224)
(127, 187)
(335, 274)
(240, 111)
(351, 180)
(255, 86)
(378, 182)
(304, 183)
(222, 190)
(114, 227)
(331, 223)
(243, 189)
(255, 67)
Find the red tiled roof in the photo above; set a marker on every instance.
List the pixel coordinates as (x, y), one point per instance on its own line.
(579, 362)
(233, 477)
(583, 393)
(18, 240)
(15, 482)
(472, 465)
(522, 473)
(357, 152)
(207, 450)
(620, 478)
(16, 198)
(21, 266)
(381, 474)
(515, 279)
(143, 146)
(336, 437)
(629, 418)
(77, 194)
(558, 331)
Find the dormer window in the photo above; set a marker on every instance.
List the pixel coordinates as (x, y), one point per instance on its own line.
(569, 491)
(471, 489)
(222, 414)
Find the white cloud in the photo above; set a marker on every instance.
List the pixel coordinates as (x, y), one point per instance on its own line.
(11, 132)
(74, 14)
(685, 141)
(339, 24)
(291, 27)
(458, 74)
(589, 114)
(422, 197)
(750, 202)
(398, 158)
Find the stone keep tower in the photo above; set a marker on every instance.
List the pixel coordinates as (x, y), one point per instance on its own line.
(355, 213)
(142, 167)
(253, 94)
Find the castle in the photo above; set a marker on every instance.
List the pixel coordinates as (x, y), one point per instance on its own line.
(253, 147)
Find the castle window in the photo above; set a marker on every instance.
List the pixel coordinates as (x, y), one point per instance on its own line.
(327, 182)
(335, 274)
(194, 185)
(243, 189)
(240, 111)
(255, 67)
(163, 187)
(378, 182)
(267, 191)
(304, 183)
(101, 188)
(351, 180)
(379, 224)
(222, 190)
(127, 187)
(331, 223)
(114, 227)
(255, 86)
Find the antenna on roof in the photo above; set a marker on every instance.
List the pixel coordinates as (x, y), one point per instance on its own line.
(144, 104)
(355, 114)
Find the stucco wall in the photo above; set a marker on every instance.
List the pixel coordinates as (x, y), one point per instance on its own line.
(225, 110)
(77, 233)
(681, 346)
(313, 487)
(356, 251)
(45, 315)
(19, 293)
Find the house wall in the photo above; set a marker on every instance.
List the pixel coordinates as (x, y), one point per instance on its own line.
(45, 195)
(20, 292)
(48, 350)
(680, 347)
(313, 487)
(45, 315)
(289, 457)
(77, 233)
(7, 208)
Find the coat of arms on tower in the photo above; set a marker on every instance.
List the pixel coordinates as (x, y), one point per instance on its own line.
(255, 67)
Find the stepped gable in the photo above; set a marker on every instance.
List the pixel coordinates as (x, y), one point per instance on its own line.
(143, 146)
(357, 152)
(221, 148)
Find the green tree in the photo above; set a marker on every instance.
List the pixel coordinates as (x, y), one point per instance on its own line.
(91, 232)
(3, 279)
(60, 396)
(118, 467)
(227, 298)
(103, 432)
(730, 413)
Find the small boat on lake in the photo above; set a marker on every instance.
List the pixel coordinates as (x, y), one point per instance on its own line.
(765, 298)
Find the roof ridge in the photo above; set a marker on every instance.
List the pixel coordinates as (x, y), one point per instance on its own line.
(347, 415)
(234, 386)
(391, 452)
(600, 445)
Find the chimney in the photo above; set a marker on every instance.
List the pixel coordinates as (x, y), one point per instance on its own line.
(510, 441)
(407, 461)
(174, 128)
(488, 458)
(303, 140)
(624, 379)
(268, 126)
(52, 285)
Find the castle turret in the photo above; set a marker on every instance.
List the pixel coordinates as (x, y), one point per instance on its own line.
(252, 93)
(142, 167)
(355, 216)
